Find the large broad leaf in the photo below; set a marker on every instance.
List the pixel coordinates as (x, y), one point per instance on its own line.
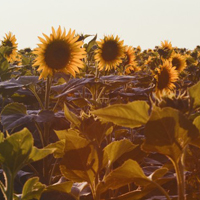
(168, 132)
(19, 82)
(116, 149)
(140, 194)
(80, 160)
(32, 189)
(59, 147)
(194, 94)
(15, 150)
(196, 141)
(72, 139)
(94, 129)
(71, 116)
(38, 154)
(60, 187)
(129, 115)
(14, 115)
(129, 172)
(71, 86)
(80, 165)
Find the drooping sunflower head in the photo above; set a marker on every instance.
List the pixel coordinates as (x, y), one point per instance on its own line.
(165, 50)
(59, 53)
(178, 61)
(165, 79)
(110, 52)
(10, 41)
(129, 60)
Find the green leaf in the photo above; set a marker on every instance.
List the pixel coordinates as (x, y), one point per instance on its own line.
(194, 94)
(130, 115)
(93, 129)
(140, 194)
(14, 115)
(158, 173)
(59, 147)
(72, 139)
(61, 187)
(71, 116)
(80, 165)
(3, 64)
(168, 132)
(18, 146)
(80, 159)
(116, 149)
(1, 137)
(32, 189)
(38, 154)
(91, 44)
(196, 141)
(129, 172)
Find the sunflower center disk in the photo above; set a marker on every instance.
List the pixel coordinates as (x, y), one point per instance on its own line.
(8, 43)
(163, 79)
(57, 54)
(110, 51)
(176, 63)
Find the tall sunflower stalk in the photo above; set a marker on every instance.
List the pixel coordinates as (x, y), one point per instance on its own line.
(59, 52)
(108, 55)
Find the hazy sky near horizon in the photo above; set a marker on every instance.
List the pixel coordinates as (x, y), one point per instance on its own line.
(137, 22)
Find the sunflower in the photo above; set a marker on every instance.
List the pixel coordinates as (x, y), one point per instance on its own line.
(10, 41)
(138, 48)
(129, 60)
(110, 52)
(166, 45)
(165, 78)
(178, 61)
(59, 53)
(165, 50)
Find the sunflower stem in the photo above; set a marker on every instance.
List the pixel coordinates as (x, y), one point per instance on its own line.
(47, 92)
(179, 168)
(57, 102)
(99, 96)
(52, 171)
(32, 89)
(40, 133)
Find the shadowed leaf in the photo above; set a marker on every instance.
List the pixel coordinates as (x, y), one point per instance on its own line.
(168, 132)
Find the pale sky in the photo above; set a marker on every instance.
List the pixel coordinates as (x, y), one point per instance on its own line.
(137, 22)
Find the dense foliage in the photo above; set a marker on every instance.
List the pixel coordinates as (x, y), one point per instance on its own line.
(112, 122)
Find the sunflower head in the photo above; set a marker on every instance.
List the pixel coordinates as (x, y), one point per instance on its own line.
(110, 52)
(129, 60)
(178, 61)
(165, 79)
(165, 50)
(60, 52)
(10, 41)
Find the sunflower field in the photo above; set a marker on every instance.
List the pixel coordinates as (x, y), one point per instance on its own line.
(98, 120)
